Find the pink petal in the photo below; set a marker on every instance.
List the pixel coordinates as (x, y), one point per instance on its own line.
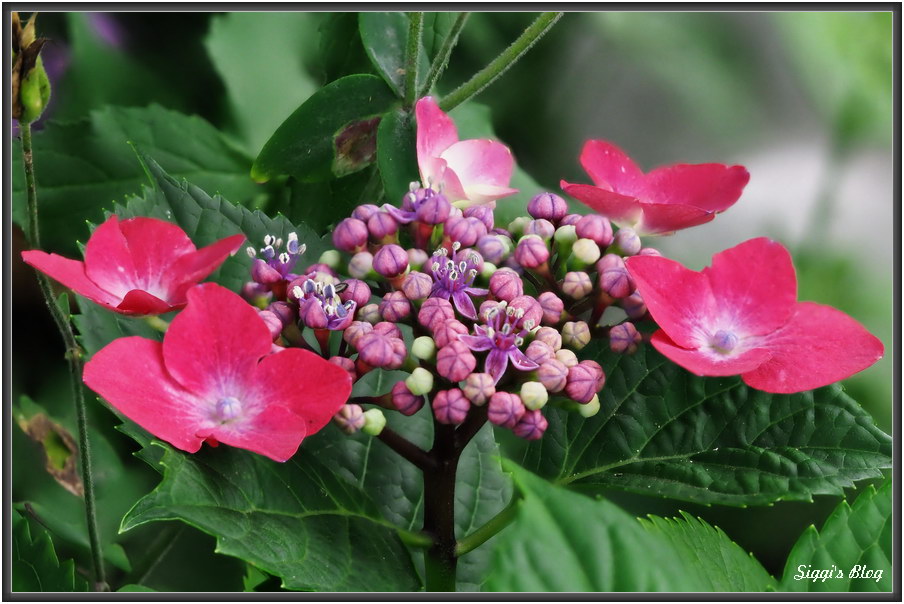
(213, 346)
(713, 187)
(436, 174)
(610, 168)
(520, 360)
(820, 345)
(663, 218)
(275, 432)
(140, 302)
(304, 383)
(480, 162)
(755, 285)
(702, 361)
(476, 343)
(464, 304)
(154, 245)
(108, 261)
(484, 194)
(680, 300)
(195, 266)
(129, 373)
(496, 364)
(70, 273)
(620, 209)
(436, 131)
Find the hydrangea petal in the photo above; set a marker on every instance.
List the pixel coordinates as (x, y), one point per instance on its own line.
(436, 131)
(680, 300)
(702, 361)
(818, 346)
(275, 432)
(480, 161)
(153, 246)
(623, 210)
(755, 285)
(609, 167)
(130, 374)
(496, 363)
(520, 361)
(464, 304)
(712, 187)
(477, 343)
(215, 343)
(108, 261)
(140, 302)
(663, 218)
(70, 273)
(198, 264)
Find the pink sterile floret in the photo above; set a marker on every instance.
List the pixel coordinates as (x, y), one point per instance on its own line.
(212, 379)
(139, 266)
(474, 171)
(741, 316)
(662, 201)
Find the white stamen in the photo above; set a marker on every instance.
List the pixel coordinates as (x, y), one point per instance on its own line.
(251, 251)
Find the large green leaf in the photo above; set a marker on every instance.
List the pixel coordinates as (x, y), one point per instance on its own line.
(263, 93)
(436, 28)
(35, 566)
(321, 204)
(662, 431)
(340, 52)
(331, 134)
(295, 520)
(853, 547)
(206, 219)
(396, 154)
(385, 39)
(83, 166)
(719, 562)
(482, 489)
(564, 541)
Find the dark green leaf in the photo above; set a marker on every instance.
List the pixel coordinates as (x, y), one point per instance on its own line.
(385, 39)
(332, 134)
(564, 541)
(662, 431)
(295, 520)
(720, 563)
(377, 382)
(35, 566)
(854, 539)
(83, 166)
(340, 50)
(207, 219)
(396, 154)
(321, 204)
(263, 93)
(436, 29)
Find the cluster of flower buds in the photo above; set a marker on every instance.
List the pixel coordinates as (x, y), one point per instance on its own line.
(485, 320)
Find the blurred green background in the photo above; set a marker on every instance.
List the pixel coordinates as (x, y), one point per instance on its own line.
(803, 100)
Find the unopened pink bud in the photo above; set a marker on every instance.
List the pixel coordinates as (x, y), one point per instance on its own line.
(417, 258)
(399, 353)
(363, 212)
(350, 418)
(347, 364)
(552, 307)
(350, 235)
(550, 337)
(355, 330)
(575, 334)
(256, 293)
(570, 219)
(624, 338)
(482, 213)
(506, 285)
(539, 352)
(404, 401)
(321, 270)
(553, 374)
(649, 251)
(312, 314)
(435, 310)
(634, 306)
(417, 286)
(434, 210)
(577, 285)
(479, 387)
(596, 228)
(382, 225)
(533, 312)
(531, 426)
(485, 306)
(531, 251)
(505, 409)
(540, 227)
(626, 241)
(548, 206)
(494, 248)
(455, 361)
(446, 332)
(391, 260)
(466, 230)
(273, 322)
(264, 273)
(597, 370)
(567, 357)
(450, 406)
(361, 265)
(582, 383)
(283, 311)
(614, 278)
(357, 291)
(395, 307)
(388, 329)
(375, 349)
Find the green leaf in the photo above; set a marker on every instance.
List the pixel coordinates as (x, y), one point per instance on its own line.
(294, 520)
(331, 134)
(340, 50)
(262, 93)
(207, 219)
(321, 204)
(385, 39)
(482, 489)
(82, 166)
(720, 564)
(35, 566)
(662, 431)
(396, 154)
(135, 588)
(377, 382)
(436, 28)
(854, 538)
(564, 541)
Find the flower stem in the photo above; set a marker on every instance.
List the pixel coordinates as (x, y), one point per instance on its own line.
(488, 530)
(73, 356)
(440, 561)
(413, 56)
(501, 64)
(442, 57)
(407, 449)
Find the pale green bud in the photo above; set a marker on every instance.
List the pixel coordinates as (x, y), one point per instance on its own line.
(420, 381)
(534, 395)
(331, 258)
(423, 348)
(591, 408)
(374, 422)
(488, 270)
